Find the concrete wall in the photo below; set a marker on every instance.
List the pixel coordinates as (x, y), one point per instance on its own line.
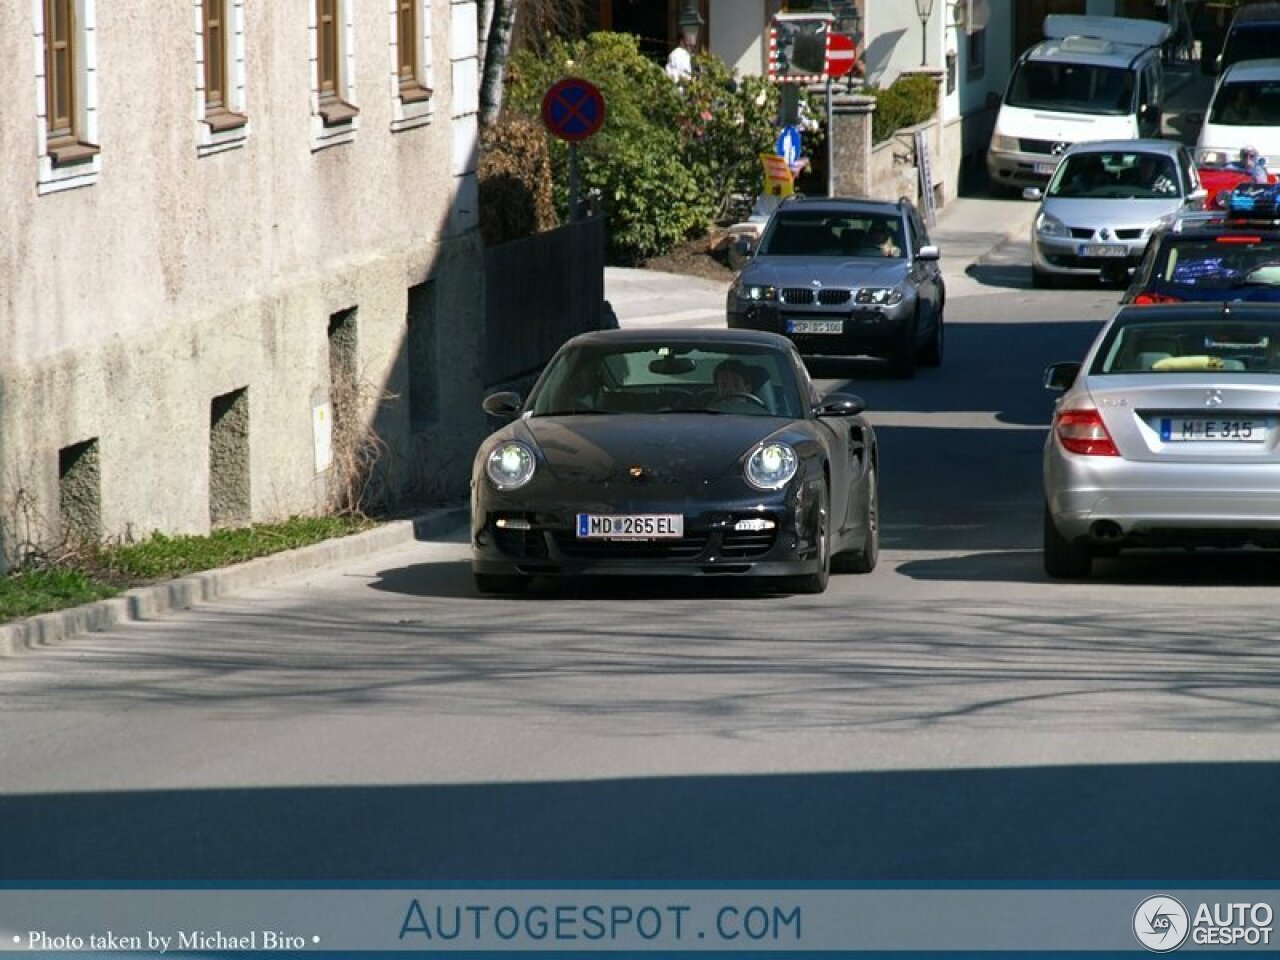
(129, 304)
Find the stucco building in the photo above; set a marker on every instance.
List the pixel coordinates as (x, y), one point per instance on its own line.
(229, 224)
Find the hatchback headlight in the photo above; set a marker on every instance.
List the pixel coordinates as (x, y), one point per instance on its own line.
(758, 293)
(880, 296)
(510, 465)
(1047, 225)
(771, 466)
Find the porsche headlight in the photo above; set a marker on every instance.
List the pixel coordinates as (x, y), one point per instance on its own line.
(880, 296)
(771, 466)
(1047, 225)
(510, 465)
(758, 293)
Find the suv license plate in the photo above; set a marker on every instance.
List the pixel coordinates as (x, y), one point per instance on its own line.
(815, 326)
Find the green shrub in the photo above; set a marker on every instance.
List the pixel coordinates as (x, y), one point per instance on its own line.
(912, 99)
(669, 157)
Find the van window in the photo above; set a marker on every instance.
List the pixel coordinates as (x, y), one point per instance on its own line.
(1256, 41)
(1252, 104)
(1074, 87)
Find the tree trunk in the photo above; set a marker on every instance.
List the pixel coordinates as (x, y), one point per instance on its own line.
(484, 17)
(497, 47)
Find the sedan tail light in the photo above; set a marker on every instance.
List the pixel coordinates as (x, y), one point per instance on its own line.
(1082, 431)
(1150, 296)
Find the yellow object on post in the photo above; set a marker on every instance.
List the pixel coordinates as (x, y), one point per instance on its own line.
(778, 180)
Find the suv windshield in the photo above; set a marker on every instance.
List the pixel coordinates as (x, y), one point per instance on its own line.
(1078, 87)
(812, 233)
(1247, 104)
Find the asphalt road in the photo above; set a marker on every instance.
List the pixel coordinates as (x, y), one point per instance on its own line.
(951, 716)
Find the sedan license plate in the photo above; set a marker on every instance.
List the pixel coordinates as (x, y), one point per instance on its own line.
(1202, 429)
(630, 526)
(1103, 250)
(815, 326)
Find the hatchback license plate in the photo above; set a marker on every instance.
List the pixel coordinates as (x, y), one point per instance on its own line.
(1202, 429)
(630, 526)
(815, 326)
(1103, 250)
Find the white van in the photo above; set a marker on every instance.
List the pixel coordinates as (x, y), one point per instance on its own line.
(1094, 78)
(1243, 112)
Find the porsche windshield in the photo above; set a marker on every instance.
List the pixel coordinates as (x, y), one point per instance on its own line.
(659, 378)
(1073, 87)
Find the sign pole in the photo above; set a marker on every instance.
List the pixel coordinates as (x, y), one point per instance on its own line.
(575, 212)
(831, 147)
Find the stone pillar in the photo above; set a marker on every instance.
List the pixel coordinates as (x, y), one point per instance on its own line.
(851, 144)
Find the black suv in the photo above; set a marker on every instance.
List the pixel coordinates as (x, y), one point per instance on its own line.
(1228, 255)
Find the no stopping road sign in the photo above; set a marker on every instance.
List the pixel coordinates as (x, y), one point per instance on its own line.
(573, 109)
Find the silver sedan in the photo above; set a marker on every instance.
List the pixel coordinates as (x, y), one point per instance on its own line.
(1102, 204)
(1168, 434)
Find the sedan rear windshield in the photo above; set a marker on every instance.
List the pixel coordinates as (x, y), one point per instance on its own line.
(1252, 104)
(1228, 262)
(1190, 346)
(1074, 87)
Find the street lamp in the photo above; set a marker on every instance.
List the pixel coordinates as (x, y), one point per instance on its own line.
(924, 10)
(689, 23)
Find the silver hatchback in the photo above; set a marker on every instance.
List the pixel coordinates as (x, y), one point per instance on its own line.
(1103, 202)
(1168, 434)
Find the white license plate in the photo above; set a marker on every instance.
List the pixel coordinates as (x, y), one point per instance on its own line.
(815, 326)
(1045, 168)
(1202, 429)
(630, 526)
(1103, 250)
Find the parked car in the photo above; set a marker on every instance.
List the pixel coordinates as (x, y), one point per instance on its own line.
(1166, 435)
(1222, 255)
(1244, 111)
(675, 453)
(845, 278)
(1094, 78)
(1102, 205)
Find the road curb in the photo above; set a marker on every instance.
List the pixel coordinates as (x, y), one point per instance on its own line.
(149, 602)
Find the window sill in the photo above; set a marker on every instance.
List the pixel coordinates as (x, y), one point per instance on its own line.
(335, 113)
(68, 153)
(220, 120)
(415, 93)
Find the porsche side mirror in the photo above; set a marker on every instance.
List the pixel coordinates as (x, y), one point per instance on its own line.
(506, 404)
(840, 405)
(1060, 376)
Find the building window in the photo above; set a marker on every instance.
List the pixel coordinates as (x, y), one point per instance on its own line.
(67, 101)
(411, 79)
(976, 52)
(332, 47)
(220, 52)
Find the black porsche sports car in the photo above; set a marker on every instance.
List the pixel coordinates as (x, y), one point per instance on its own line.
(675, 453)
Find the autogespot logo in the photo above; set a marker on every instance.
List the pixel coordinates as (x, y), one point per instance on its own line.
(1161, 924)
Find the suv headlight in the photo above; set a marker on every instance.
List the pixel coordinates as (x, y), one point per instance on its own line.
(1047, 225)
(771, 466)
(758, 293)
(880, 296)
(510, 465)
